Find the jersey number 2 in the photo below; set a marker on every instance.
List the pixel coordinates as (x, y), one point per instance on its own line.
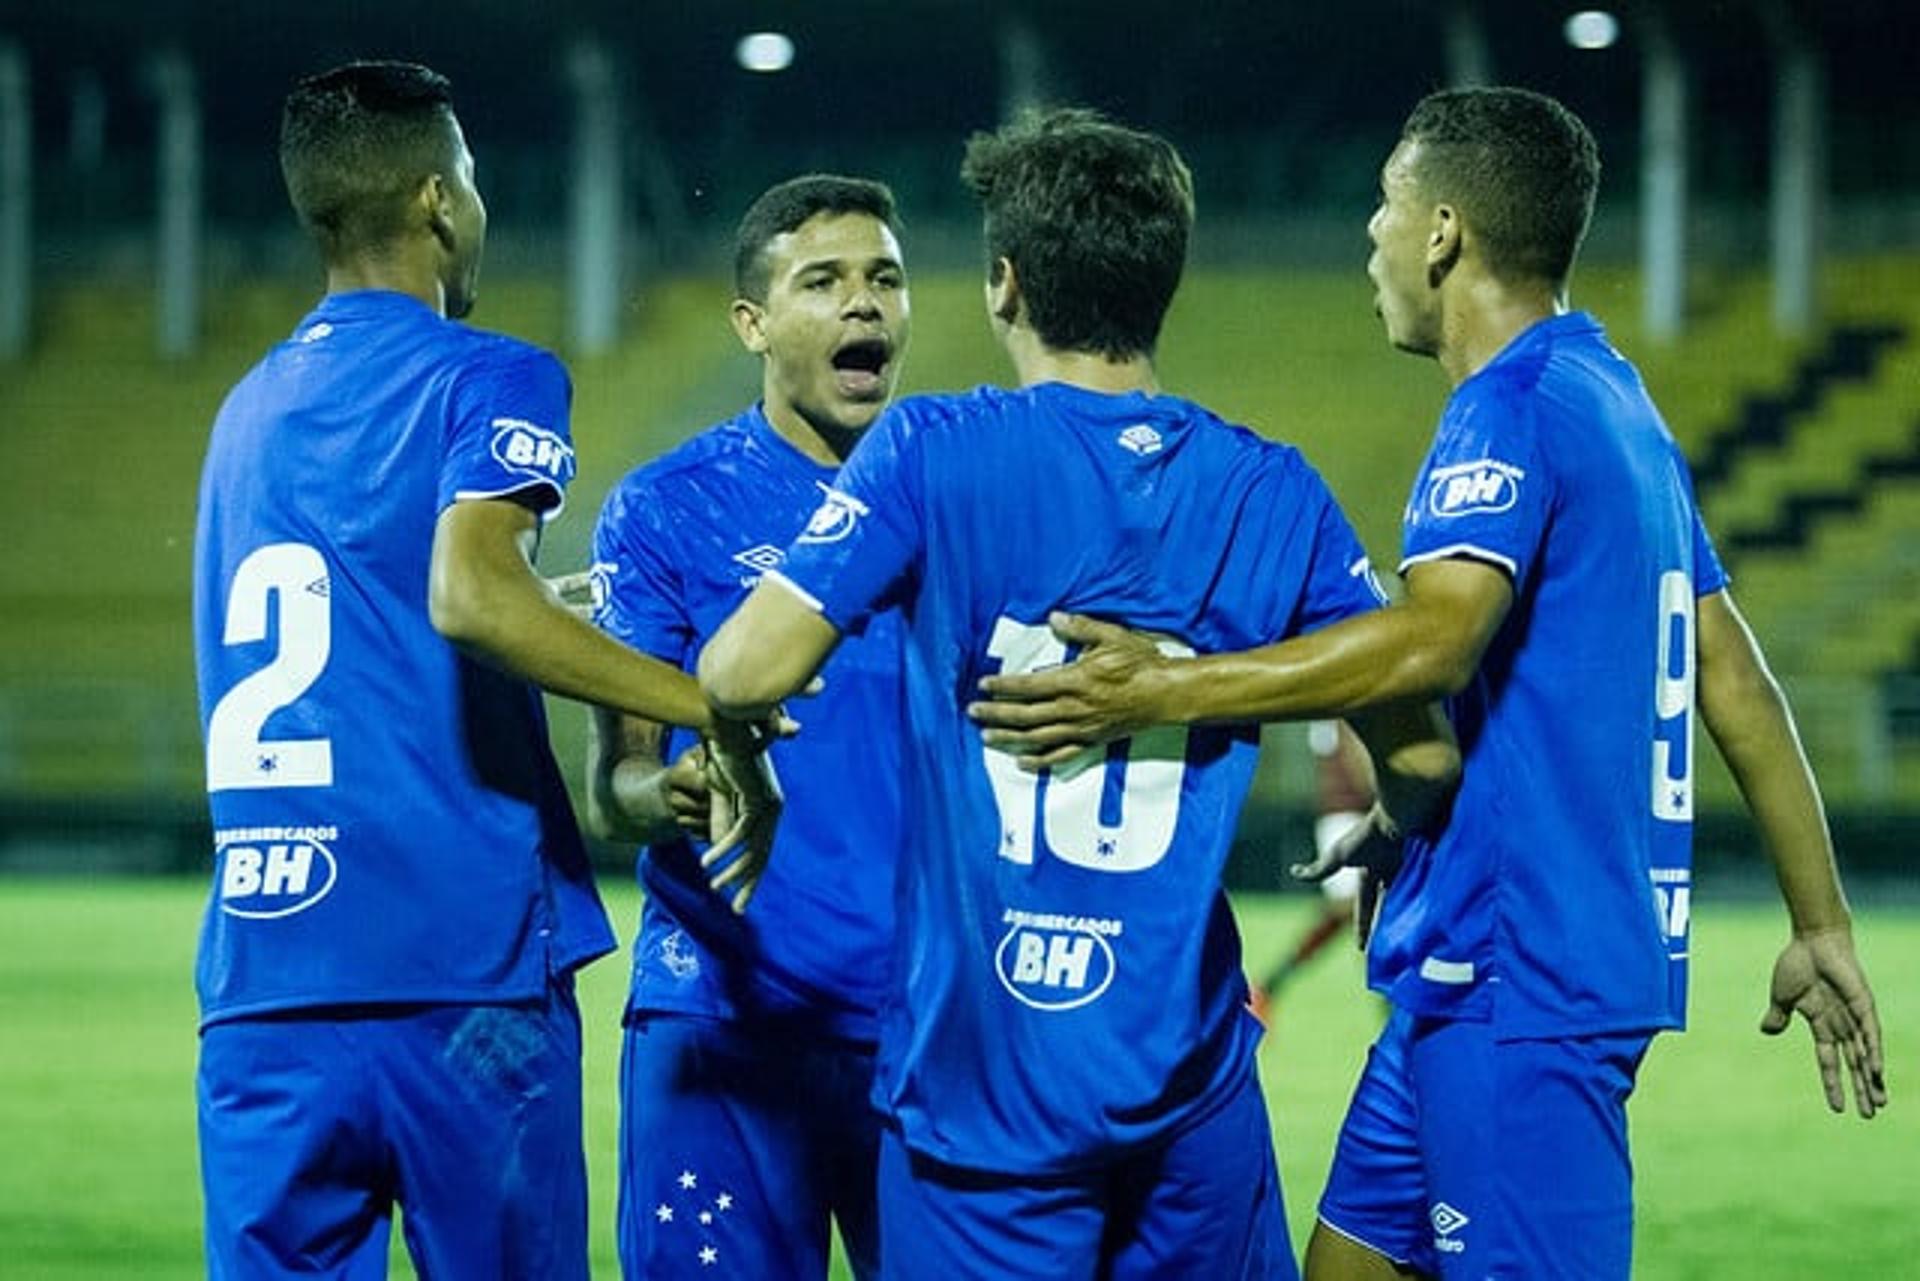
(292, 578)
(1106, 812)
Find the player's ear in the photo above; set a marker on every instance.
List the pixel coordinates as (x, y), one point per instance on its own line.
(750, 325)
(1003, 290)
(436, 207)
(1445, 240)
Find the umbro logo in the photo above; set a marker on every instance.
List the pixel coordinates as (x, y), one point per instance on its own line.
(1141, 439)
(761, 558)
(1447, 1221)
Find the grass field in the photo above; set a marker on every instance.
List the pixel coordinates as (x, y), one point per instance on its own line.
(1741, 1173)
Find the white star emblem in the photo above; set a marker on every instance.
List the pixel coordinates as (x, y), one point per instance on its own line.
(724, 1201)
(688, 1181)
(708, 1256)
(663, 1212)
(706, 1217)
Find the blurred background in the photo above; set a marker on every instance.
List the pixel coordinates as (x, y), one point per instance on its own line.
(1756, 250)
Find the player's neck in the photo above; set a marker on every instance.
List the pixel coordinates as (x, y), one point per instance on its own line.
(823, 444)
(1034, 362)
(399, 277)
(1488, 315)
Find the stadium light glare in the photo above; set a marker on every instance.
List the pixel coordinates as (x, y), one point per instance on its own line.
(1592, 29)
(764, 51)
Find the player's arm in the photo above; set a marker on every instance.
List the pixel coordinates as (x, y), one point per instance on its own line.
(1416, 767)
(765, 653)
(1421, 649)
(484, 595)
(633, 793)
(1819, 974)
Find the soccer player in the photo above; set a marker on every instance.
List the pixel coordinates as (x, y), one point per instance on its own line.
(724, 1163)
(1066, 1057)
(1561, 590)
(400, 893)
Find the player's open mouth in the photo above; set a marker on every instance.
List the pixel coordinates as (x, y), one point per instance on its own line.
(860, 368)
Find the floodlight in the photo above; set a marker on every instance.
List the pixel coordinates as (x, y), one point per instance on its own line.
(764, 51)
(1592, 29)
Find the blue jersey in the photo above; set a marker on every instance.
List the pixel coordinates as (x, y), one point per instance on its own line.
(1069, 974)
(389, 825)
(1555, 901)
(680, 542)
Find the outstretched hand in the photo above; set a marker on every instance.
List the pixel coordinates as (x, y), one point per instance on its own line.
(1819, 977)
(744, 807)
(1049, 717)
(1374, 847)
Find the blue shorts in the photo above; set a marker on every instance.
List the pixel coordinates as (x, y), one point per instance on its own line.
(738, 1145)
(1204, 1204)
(314, 1124)
(1464, 1156)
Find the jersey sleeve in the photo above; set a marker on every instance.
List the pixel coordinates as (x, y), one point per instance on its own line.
(1709, 575)
(1484, 492)
(863, 545)
(1339, 581)
(508, 435)
(639, 597)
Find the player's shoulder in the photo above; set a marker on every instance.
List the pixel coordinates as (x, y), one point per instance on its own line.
(934, 411)
(666, 480)
(485, 350)
(1265, 455)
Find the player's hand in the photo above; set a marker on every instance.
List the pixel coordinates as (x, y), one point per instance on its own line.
(1819, 977)
(1375, 848)
(575, 591)
(1049, 717)
(744, 804)
(688, 797)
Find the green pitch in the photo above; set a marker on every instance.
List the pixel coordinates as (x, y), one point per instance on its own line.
(1741, 1172)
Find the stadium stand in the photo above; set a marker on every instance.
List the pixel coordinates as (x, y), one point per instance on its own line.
(95, 669)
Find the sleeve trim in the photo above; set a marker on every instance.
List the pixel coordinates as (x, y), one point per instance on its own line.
(1469, 551)
(545, 513)
(806, 597)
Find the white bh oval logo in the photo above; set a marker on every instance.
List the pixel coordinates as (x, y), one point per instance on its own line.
(1054, 969)
(532, 450)
(1474, 489)
(275, 878)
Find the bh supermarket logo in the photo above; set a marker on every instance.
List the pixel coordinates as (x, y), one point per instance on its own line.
(268, 873)
(1055, 963)
(1483, 488)
(532, 450)
(835, 517)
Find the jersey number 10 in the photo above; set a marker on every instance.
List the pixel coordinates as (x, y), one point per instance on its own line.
(290, 578)
(1106, 812)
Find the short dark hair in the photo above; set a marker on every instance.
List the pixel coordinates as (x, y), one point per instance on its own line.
(1521, 168)
(784, 206)
(357, 141)
(1095, 218)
